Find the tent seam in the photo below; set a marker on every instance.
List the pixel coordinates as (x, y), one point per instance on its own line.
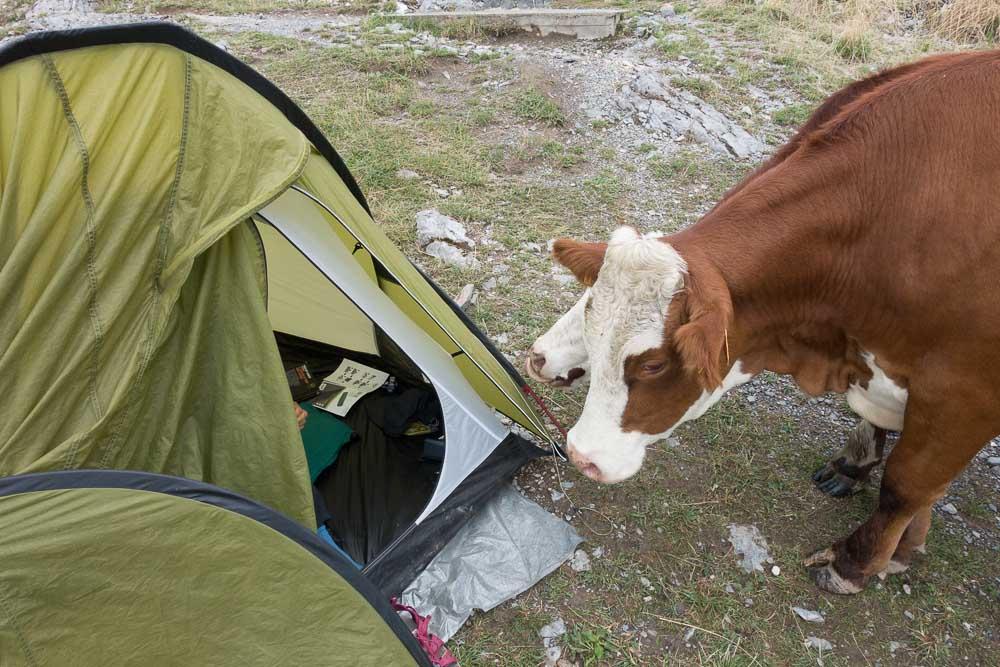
(163, 243)
(25, 646)
(91, 234)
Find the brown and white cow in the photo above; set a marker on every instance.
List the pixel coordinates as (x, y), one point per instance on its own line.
(863, 258)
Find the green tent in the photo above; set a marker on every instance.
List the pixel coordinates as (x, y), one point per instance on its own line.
(167, 218)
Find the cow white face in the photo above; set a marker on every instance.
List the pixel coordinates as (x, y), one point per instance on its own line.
(559, 357)
(653, 348)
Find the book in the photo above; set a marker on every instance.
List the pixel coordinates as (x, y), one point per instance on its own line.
(339, 391)
(301, 383)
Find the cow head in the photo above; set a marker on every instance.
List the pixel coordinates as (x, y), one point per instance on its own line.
(655, 332)
(559, 357)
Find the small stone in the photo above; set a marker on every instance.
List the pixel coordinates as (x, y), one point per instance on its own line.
(449, 254)
(407, 174)
(895, 646)
(556, 496)
(949, 509)
(432, 225)
(667, 10)
(908, 614)
(554, 629)
(730, 589)
(646, 582)
(993, 461)
(818, 643)
(580, 562)
(907, 589)
(689, 634)
(467, 296)
(993, 508)
(490, 284)
(776, 570)
(597, 552)
(808, 615)
(566, 486)
(442, 193)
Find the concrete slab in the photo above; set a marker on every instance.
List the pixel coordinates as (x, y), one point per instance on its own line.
(579, 23)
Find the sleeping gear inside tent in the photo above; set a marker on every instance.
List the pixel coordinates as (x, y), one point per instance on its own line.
(181, 232)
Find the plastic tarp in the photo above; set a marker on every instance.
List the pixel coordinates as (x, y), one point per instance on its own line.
(118, 576)
(508, 547)
(134, 333)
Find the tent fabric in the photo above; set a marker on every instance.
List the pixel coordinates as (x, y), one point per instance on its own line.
(416, 296)
(473, 431)
(123, 241)
(165, 571)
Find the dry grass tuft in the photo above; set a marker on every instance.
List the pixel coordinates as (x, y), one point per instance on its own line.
(968, 21)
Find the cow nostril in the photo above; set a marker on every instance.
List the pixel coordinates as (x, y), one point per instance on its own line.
(583, 464)
(537, 361)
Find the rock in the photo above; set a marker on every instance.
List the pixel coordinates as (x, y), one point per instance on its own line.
(598, 552)
(818, 644)
(402, 8)
(432, 225)
(993, 461)
(556, 628)
(490, 285)
(566, 486)
(949, 509)
(751, 545)
(667, 10)
(223, 45)
(466, 297)
(580, 562)
(442, 193)
(909, 615)
(646, 583)
(808, 615)
(907, 589)
(449, 254)
(552, 655)
(895, 646)
(407, 174)
(776, 570)
(662, 108)
(556, 495)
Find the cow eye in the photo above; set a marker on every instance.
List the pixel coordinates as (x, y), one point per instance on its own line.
(653, 367)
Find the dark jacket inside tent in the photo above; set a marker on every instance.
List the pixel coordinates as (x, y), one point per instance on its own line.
(181, 253)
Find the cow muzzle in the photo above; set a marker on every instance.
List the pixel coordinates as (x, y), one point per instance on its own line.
(535, 367)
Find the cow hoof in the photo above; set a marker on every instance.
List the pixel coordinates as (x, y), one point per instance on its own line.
(823, 574)
(834, 480)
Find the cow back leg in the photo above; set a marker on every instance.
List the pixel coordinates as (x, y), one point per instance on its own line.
(850, 468)
(927, 458)
(912, 542)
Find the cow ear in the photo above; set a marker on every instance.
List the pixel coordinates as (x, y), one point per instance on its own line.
(702, 342)
(584, 260)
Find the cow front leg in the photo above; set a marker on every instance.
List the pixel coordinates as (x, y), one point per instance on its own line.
(917, 473)
(851, 466)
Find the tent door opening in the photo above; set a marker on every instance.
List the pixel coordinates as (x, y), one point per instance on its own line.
(374, 461)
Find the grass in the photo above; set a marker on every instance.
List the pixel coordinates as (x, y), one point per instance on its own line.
(12, 16)
(532, 104)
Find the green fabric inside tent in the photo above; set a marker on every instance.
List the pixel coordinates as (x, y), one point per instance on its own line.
(323, 436)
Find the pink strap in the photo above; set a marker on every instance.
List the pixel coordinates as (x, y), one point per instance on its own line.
(433, 646)
(548, 413)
